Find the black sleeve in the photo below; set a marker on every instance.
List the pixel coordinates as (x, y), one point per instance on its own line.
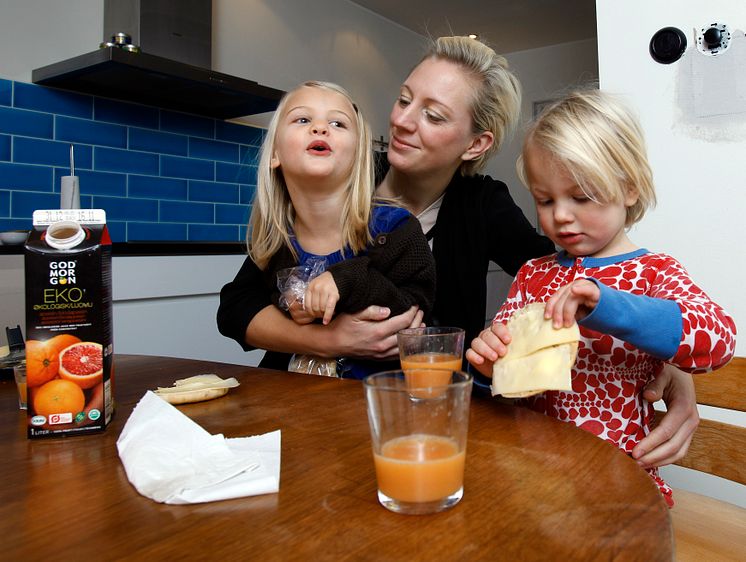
(512, 238)
(241, 300)
(398, 272)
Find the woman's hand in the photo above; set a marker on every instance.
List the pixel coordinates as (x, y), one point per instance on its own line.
(670, 441)
(371, 333)
(491, 344)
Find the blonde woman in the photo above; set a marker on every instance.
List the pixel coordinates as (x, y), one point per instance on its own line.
(585, 164)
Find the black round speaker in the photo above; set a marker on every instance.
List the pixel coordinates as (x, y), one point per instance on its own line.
(667, 45)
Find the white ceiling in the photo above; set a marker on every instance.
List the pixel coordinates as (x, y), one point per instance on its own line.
(506, 25)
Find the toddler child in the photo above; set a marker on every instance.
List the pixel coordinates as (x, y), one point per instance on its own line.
(314, 203)
(585, 164)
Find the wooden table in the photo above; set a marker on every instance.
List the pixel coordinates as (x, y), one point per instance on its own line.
(535, 488)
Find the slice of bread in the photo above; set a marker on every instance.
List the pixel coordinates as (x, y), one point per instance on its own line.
(540, 357)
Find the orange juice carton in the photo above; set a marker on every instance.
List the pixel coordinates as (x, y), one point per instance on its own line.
(69, 349)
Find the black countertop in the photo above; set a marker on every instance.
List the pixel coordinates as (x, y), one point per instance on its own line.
(158, 248)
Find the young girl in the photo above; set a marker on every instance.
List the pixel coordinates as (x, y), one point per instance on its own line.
(585, 164)
(314, 202)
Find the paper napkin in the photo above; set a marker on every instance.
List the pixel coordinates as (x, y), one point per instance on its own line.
(171, 459)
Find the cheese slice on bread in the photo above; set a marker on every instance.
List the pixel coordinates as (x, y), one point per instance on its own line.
(540, 357)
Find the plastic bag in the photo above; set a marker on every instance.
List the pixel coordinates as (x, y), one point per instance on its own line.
(293, 281)
(313, 365)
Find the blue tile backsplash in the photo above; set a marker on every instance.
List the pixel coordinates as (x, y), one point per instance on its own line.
(159, 174)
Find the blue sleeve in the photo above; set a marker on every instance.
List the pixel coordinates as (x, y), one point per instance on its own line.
(652, 325)
(386, 218)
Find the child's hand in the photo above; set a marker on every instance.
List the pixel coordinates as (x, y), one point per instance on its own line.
(321, 297)
(488, 347)
(572, 302)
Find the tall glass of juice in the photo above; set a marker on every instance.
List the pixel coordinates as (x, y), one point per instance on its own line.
(428, 355)
(419, 446)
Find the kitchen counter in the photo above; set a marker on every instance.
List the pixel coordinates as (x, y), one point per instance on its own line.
(157, 248)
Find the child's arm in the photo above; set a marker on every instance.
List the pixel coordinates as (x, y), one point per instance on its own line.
(675, 321)
(398, 272)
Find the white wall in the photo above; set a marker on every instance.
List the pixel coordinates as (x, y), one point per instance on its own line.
(283, 42)
(698, 162)
(35, 33)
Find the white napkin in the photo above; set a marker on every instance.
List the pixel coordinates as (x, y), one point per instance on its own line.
(171, 459)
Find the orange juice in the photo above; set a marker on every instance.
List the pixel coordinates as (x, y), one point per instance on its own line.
(419, 468)
(429, 369)
(69, 328)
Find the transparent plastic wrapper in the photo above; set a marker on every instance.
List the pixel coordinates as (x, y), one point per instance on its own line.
(293, 283)
(313, 365)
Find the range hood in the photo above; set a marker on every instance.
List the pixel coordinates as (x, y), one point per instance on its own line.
(152, 80)
(174, 38)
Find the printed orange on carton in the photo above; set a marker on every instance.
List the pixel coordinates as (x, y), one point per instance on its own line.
(69, 349)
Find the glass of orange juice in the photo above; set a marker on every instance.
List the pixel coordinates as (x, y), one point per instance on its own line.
(19, 373)
(428, 355)
(419, 447)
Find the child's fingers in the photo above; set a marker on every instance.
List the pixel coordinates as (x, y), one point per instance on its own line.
(562, 306)
(479, 363)
(502, 332)
(491, 342)
(331, 302)
(316, 304)
(588, 292)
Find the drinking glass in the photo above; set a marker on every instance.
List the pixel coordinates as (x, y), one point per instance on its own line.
(419, 446)
(428, 355)
(19, 372)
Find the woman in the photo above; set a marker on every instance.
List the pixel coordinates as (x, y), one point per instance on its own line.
(453, 112)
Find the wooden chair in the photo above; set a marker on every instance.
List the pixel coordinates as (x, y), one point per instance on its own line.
(706, 528)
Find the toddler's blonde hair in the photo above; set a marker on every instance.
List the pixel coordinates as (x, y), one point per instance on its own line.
(272, 212)
(599, 141)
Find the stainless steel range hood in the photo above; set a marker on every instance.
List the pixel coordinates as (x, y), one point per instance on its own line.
(165, 30)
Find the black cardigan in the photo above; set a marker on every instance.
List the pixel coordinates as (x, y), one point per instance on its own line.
(478, 222)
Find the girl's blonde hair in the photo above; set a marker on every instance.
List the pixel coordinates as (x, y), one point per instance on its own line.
(272, 213)
(601, 144)
(496, 102)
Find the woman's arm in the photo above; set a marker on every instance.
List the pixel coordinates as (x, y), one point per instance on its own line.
(513, 240)
(369, 333)
(669, 441)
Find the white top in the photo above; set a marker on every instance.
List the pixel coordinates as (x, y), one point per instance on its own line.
(428, 217)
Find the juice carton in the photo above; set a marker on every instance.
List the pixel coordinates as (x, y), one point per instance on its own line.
(69, 349)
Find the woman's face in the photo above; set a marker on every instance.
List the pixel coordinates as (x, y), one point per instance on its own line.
(431, 124)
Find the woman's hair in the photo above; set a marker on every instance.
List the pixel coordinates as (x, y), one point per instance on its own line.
(272, 212)
(496, 102)
(601, 144)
